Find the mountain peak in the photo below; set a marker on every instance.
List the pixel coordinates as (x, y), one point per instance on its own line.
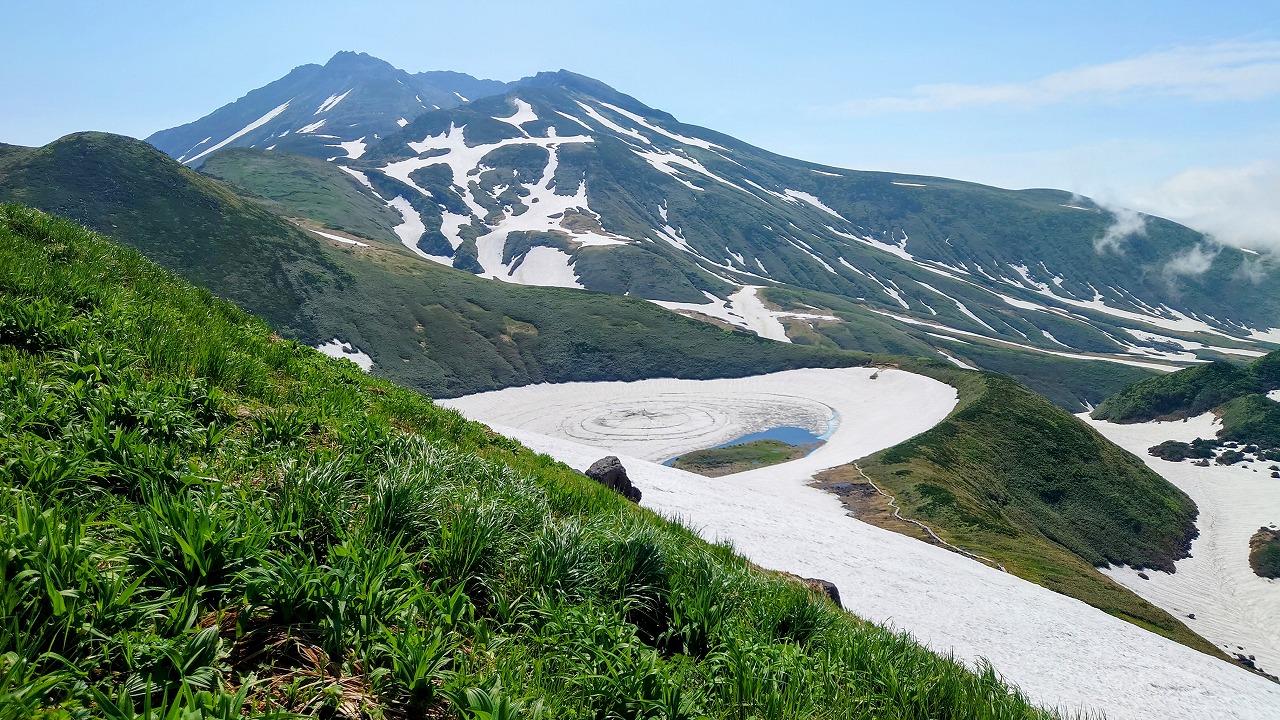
(350, 58)
(578, 83)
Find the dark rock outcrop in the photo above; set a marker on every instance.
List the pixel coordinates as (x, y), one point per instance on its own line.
(608, 471)
(826, 587)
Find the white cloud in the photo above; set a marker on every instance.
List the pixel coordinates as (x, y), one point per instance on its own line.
(1125, 223)
(1238, 206)
(1219, 72)
(1193, 261)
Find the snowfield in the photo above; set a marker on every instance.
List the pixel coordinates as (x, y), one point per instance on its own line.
(1233, 607)
(1061, 652)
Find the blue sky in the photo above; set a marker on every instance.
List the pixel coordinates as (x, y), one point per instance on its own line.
(1169, 107)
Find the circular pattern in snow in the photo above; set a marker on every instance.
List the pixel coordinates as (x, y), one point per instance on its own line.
(666, 420)
(660, 419)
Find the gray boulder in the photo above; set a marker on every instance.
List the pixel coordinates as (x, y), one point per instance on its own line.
(608, 471)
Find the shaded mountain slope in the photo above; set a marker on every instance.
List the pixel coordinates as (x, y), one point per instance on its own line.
(429, 327)
(326, 110)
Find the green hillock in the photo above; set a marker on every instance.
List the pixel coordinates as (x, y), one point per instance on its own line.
(1236, 393)
(1011, 477)
(189, 224)
(1264, 553)
(201, 519)
(1180, 394)
(1252, 420)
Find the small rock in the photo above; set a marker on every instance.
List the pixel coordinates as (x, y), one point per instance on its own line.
(608, 471)
(1191, 615)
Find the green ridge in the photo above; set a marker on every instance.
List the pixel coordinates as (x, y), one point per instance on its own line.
(1011, 477)
(202, 519)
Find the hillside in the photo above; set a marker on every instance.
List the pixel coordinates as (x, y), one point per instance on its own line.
(202, 517)
(303, 187)
(1009, 477)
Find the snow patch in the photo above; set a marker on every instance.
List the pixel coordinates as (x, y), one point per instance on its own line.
(907, 184)
(628, 132)
(524, 113)
(745, 309)
(339, 238)
(955, 361)
(402, 122)
(814, 201)
(336, 348)
(549, 267)
(354, 148)
(1232, 606)
(312, 127)
(412, 229)
(331, 102)
(242, 132)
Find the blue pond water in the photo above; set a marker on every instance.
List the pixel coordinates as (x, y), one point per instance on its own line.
(789, 434)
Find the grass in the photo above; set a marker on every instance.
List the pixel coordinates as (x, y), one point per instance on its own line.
(201, 519)
(1008, 476)
(715, 462)
(301, 186)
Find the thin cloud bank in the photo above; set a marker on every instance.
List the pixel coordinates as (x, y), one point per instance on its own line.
(1238, 206)
(1208, 73)
(1125, 224)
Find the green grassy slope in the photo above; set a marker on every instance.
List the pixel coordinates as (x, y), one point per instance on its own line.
(187, 223)
(301, 186)
(1009, 476)
(199, 517)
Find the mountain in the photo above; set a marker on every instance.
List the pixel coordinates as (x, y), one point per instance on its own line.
(330, 110)
(565, 181)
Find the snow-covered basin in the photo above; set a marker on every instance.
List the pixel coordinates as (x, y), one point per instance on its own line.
(1059, 651)
(1233, 607)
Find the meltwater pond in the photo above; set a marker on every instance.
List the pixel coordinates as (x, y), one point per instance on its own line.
(789, 434)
